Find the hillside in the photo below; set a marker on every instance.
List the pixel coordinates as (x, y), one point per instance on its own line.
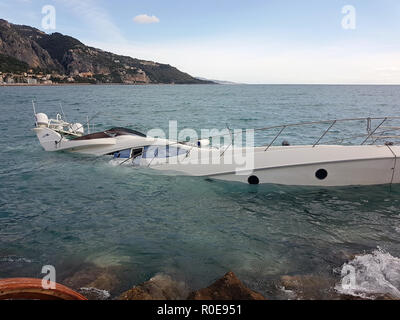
(11, 65)
(26, 49)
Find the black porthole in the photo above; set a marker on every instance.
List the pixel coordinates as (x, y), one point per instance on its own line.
(321, 174)
(253, 180)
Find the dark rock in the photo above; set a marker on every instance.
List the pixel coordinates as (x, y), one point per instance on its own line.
(309, 287)
(229, 287)
(94, 280)
(160, 287)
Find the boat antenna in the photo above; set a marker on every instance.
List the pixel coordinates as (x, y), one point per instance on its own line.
(88, 121)
(231, 143)
(34, 111)
(62, 111)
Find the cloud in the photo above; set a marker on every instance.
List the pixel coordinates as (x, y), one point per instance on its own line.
(145, 19)
(94, 16)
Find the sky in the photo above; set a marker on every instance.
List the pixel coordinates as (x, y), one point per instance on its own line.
(245, 41)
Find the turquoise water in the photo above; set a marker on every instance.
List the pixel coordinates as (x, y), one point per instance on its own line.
(71, 211)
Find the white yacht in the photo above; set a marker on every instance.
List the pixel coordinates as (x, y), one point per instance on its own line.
(372, 162)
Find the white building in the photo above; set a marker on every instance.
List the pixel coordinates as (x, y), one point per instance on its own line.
(31, 81)
(9, 80)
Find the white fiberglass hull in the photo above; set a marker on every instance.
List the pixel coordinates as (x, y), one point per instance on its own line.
(320, 165)
(357, 172)
(307, 166)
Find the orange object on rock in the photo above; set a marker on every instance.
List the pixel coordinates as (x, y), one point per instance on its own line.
(32, 289)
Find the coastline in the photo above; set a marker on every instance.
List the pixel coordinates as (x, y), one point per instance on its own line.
(94, 84)
(192, 84)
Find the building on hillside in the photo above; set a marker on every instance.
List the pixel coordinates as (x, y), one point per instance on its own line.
(9, 80)
(86, 74)
(31, 81)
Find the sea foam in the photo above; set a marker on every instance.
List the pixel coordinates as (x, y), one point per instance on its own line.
(371, 275)
(95, 294)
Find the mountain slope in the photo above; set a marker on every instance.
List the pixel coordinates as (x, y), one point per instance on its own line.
(10, 64)
(23, 48)
(64, 55)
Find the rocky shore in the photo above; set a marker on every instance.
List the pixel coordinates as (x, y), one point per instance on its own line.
(161, 287)
(99, 284)
(376, 277)
(105, 283)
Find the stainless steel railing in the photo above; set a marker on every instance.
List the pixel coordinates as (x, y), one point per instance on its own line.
(372, 132)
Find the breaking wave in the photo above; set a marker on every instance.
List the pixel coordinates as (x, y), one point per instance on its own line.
(371, 275)
(15, 259)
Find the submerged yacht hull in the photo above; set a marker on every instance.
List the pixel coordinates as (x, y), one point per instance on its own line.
(304, 165)
(307, 166)
(347, 173)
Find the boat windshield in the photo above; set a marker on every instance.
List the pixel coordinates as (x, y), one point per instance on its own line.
(114, 132)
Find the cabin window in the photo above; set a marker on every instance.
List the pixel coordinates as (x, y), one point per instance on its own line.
(162, 152)
(123, 154)
(128, 153)
(174, 151)
(150, 152)
(136, 153)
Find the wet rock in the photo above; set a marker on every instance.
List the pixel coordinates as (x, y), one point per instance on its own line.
(308, 287)
(106, 280)
(160, 287)
(94, 278)
(229, 287)
(94, 294)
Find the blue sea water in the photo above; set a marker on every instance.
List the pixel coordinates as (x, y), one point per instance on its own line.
(71, 211)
